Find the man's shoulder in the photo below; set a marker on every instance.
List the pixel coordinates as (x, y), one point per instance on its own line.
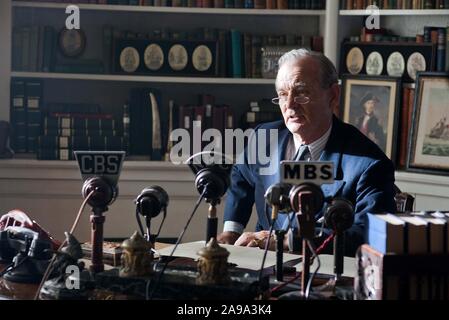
(356, 144)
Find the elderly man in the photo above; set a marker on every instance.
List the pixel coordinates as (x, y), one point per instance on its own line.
(308, 92)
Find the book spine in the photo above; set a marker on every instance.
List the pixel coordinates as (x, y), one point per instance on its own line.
(441, 50)
(18, 116)
(236, 45)
(34, 101)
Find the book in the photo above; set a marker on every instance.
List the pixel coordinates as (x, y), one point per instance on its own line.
(416, 241)
(385, 233)
(437, 233)
(112, 252)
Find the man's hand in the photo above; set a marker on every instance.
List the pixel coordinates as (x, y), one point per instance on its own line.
(256, 239)
(228, 237)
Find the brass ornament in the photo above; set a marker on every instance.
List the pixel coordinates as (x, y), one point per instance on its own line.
(136, 257)
(213, 264)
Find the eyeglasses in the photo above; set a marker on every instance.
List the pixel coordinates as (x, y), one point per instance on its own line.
(300, 99)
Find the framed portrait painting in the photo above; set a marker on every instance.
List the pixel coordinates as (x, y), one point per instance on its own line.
(429, 139)
(371, 103)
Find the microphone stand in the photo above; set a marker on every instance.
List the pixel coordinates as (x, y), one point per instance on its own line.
(97, 219)
(280, 254)
(306, 222)
(212, 220)
(339, 247)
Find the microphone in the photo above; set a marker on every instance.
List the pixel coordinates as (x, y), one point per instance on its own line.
(150, 202)
(306, 199)
(339, 216)
(104, 192)
(277, 196)
(212, 179)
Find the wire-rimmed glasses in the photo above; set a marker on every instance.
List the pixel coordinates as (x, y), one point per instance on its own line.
(300, 99)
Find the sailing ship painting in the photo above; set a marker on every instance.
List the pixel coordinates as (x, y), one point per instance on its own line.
(436, 140)
(429, 147)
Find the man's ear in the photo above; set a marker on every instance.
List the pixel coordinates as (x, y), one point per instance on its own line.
(334, 96)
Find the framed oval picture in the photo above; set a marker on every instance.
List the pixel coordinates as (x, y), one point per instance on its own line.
(178, 57)
(153, 57)
(129, 59)
(416, 62)
(395, 64)
(72, 43)
(202, 58)
(355, 60)
(374, 64)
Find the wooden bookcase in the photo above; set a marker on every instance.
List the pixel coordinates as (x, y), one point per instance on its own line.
(50, 191)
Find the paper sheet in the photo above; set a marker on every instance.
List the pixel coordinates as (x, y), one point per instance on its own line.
(251, 258)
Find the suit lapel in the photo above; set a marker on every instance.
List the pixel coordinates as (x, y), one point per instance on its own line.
(333, 152)
(283, 138)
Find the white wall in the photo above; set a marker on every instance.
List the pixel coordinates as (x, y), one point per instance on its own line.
(50, 192)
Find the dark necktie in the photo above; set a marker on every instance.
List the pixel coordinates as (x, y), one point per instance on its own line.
(302, 154)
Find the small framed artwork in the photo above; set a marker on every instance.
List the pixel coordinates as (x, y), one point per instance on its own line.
(394, 59)
(429, 139)
(165, 57)
(372, 105)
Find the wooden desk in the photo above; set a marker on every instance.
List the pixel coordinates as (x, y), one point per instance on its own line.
(20, 291)
(26, 291)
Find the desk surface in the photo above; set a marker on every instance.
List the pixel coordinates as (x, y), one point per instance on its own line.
(26, 291)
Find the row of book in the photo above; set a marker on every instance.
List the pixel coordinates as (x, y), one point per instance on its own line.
(64, 132)
(50, 130)
(239, 53)
(34, 48)
(411, 233)
(246, 4)
(398, 240)
(54, 130)
(211, 115)
(394, 4)
(405, 123)
(26, 114)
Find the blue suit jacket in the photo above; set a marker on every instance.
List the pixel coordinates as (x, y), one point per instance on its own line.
(362, 172)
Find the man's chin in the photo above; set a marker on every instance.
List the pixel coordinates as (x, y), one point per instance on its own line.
(295, 127)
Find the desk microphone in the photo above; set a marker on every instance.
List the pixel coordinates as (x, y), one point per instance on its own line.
(150, 202)
(104, 192)
(339, 216)
(212, 181)
(307, 200)
(277, 195)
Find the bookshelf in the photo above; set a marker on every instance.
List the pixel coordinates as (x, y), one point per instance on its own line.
(144, 79)
(173, 10)
(384, 12)
(22, 181)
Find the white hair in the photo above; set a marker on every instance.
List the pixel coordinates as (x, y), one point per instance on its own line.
(328, 72)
